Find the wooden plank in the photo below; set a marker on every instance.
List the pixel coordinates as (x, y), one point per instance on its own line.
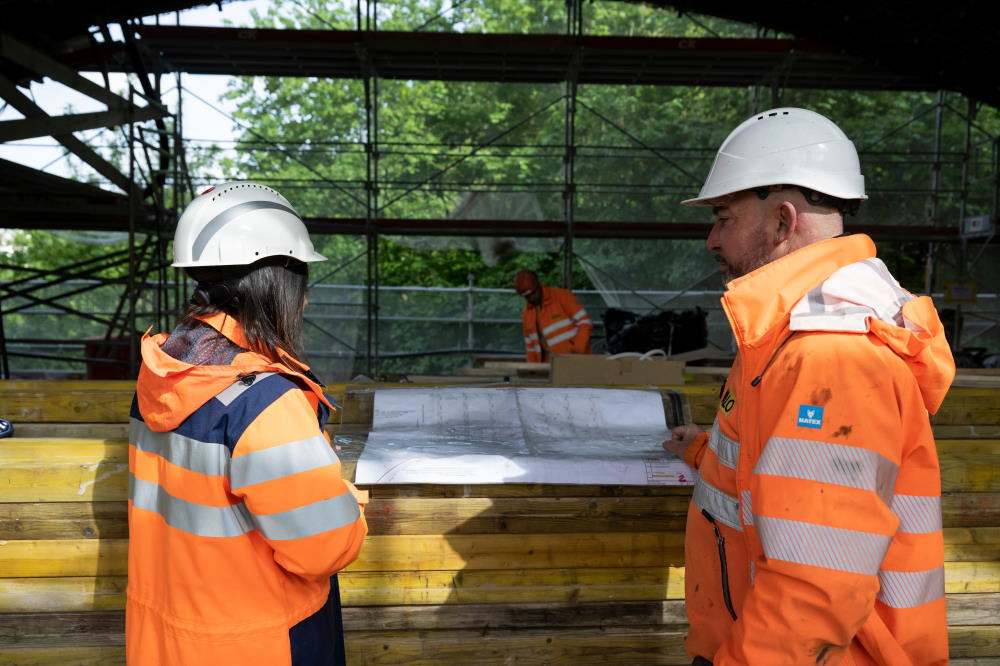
(970, 473)
(107, 627)
(484, 617)
(120, 430)
(40, 481)
(969, 405)
(64, 520)
(471, 515)
(60, 656)
(63, 629)
(447, 587)
(96, 402)
(64, 482)
(388, 588)
(67, 406)
(29, 558)
(86, 430)
(63, 385)
(970, 509)
(513, 515)
(973, 609)
(975, 641)
(636, 647)
(62, 449)
(395, 588)
(966, 431)
(79, 593)
(968, 447)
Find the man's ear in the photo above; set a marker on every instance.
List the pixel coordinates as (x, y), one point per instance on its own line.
(788, 222)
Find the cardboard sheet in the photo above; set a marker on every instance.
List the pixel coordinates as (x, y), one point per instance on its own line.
(519, 435)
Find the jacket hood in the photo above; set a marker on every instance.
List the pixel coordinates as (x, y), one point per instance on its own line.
(169, 390)
(838, 285)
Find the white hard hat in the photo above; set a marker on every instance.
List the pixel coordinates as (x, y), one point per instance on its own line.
(235, 224)
(785, 146)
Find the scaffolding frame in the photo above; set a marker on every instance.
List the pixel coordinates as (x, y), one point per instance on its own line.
(156, 153)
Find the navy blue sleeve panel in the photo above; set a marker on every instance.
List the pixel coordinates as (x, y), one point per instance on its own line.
(318, 640)
(219, 423)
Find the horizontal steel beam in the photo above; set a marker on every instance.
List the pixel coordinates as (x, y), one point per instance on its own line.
(26, 128)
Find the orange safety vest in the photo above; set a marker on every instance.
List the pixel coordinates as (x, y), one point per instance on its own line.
(237, 511)
(563, 323)
(820, 481)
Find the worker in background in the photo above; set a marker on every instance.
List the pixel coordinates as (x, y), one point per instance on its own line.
(238, 515)
(553, 320)
(814, 533)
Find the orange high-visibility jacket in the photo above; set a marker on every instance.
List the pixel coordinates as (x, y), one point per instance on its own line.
(237, 511)
(563, 322)
(820, 473)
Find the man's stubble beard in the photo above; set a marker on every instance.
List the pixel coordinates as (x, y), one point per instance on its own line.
(760, 256)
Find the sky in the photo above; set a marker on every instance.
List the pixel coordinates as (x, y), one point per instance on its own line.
(200, 120)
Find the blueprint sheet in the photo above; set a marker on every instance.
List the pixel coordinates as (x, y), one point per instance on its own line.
(519, 435)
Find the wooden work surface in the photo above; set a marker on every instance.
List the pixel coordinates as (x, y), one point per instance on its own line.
(458, 574)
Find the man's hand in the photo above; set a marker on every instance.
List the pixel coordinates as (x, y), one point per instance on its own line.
(681, 438)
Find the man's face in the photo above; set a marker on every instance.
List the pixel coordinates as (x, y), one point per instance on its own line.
(533, 295)
(740, 238)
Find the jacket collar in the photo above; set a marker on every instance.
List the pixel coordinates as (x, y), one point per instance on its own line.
(169, 390)
(758, 304)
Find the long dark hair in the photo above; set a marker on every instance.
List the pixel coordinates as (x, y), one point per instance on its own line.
(267, 298)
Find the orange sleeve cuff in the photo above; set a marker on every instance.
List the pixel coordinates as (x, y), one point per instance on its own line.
(696, 451)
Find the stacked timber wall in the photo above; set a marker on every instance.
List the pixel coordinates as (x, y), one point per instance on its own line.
(484, 574)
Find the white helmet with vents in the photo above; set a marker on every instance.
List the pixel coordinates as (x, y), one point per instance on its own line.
(786, 146)
(235, 224)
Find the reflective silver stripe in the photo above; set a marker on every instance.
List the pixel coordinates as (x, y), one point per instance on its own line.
(837, 464)
(280, 461)
(747, 506)
(238, 387)
(723, 507)
(726, 449)
(908, 589)
(562, 323)
(562, 336)
(822, 546)
(917, 514)
(533, 336)
(311, 519)
(192, 455)
(753, 571)
(198, 519)
(582, 313)
(533, 349)
(227, 216)
(584, 321)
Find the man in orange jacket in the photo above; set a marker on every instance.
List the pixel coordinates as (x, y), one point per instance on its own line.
(553, 320)
(814, 532)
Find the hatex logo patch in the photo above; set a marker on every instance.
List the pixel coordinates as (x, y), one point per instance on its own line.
(810, 416)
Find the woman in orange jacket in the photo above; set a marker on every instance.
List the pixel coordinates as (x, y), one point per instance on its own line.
(814, 532)
(238, 515)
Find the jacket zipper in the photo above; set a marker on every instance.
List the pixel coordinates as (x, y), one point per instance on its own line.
(722, 563)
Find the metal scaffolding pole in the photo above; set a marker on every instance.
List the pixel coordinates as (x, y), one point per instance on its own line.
(131, 286)
(574, 27)
(371, 192)
(933, 211)
(963, 250)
